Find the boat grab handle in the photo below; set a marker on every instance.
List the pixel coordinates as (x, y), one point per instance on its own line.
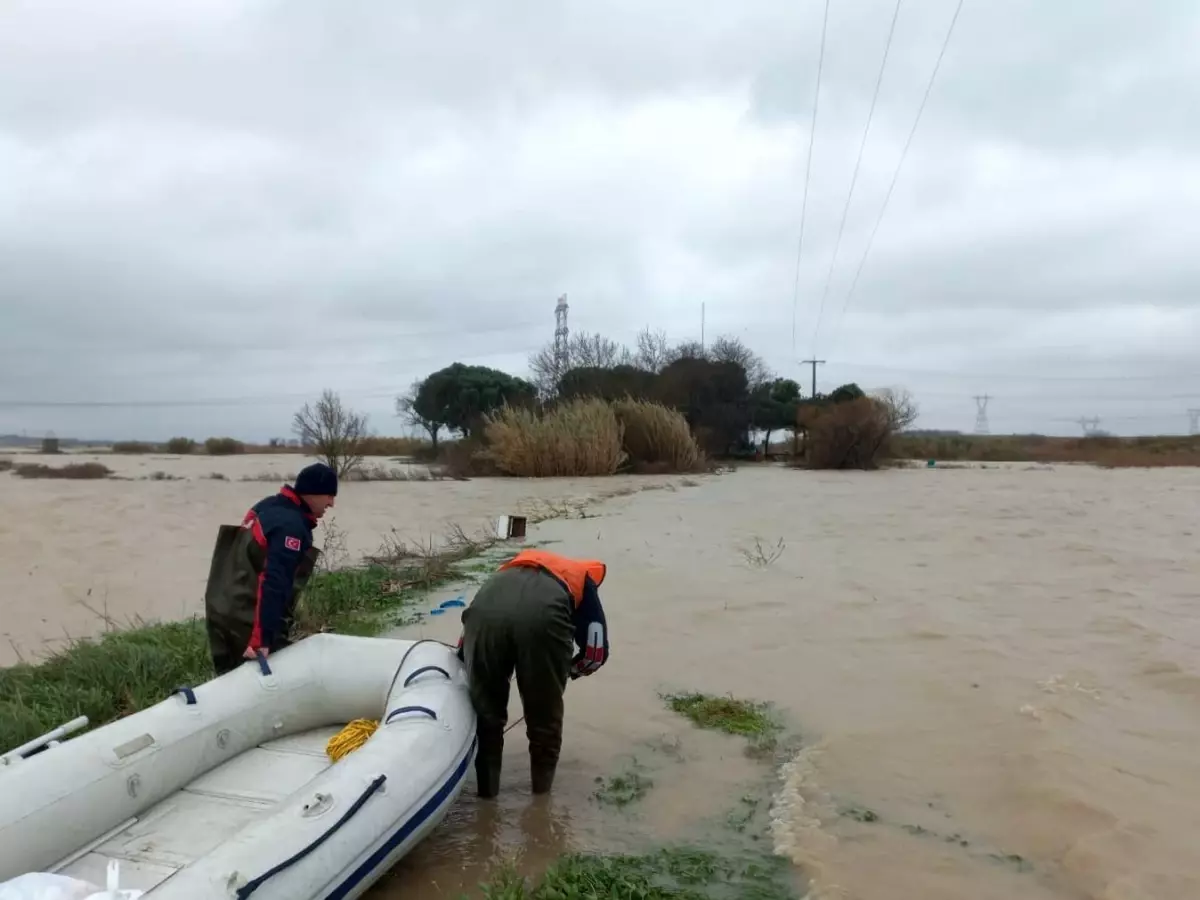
(188, 694)
(251, 886)
(407, 709)
(422, 671)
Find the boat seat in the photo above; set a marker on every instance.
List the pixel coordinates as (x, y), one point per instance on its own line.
(194, 821)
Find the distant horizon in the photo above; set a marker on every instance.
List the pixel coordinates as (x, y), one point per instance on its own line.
(33, 441)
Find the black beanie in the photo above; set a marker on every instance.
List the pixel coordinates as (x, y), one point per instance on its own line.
(317, 479)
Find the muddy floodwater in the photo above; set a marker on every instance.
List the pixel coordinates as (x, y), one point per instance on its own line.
(992, 674)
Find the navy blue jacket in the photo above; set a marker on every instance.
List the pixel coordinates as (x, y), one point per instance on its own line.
(282, 526)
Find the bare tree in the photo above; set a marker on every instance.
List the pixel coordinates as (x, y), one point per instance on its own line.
(594, 350)
(408, 407)
(687, 350)
(334, 432)
(584, 350)
(731, 349)
(899, 406)
(652, 354)
(543, 371)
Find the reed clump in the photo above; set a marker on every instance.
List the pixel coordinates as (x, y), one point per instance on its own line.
(578, 438)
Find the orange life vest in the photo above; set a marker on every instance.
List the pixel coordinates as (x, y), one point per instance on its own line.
(571, 572)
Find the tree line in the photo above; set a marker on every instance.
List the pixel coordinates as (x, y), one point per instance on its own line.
(724, 390)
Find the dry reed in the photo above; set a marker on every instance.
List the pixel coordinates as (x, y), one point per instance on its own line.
(657, 435)
(579, 438)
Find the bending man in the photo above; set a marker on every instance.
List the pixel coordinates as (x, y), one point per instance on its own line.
(259, 568)
(528, 618)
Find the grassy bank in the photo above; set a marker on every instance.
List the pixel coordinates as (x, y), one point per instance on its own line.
(1109, 452)
(129, 668)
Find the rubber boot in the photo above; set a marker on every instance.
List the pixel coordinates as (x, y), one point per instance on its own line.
(488, 760)
(541, 777)
(543, 761)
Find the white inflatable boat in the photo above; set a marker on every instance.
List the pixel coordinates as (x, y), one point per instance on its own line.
(225, 790)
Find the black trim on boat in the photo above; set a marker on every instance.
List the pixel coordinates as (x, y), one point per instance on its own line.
(407, 709)
(251, 886)
(188, 694)
(422, 671)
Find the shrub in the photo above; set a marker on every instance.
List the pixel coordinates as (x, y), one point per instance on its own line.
(850, 435)
(181, 445)
(578, 438)
(657, 436)
(74, 471)
(132, 447)
(223, 446)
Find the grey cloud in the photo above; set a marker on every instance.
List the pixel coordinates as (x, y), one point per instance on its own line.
(255, 201)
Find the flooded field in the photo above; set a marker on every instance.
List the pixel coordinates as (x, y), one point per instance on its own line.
(990, 674)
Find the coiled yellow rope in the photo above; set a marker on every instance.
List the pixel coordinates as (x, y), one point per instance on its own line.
(350, 738)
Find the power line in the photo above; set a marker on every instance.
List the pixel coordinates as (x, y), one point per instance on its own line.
(900, 164)
(854, 177)
(812, 136)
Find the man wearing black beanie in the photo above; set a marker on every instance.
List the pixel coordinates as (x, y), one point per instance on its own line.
(259, 568)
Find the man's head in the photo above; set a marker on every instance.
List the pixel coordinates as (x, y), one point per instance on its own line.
(317, 485)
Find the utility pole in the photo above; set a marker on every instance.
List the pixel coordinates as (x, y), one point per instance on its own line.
(981, 419)
(1194, 421)
(814, 363)
(702, 326)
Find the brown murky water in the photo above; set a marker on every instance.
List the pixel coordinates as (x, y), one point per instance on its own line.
(1000, 664)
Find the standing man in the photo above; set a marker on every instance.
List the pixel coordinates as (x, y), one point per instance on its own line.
(259, 568)
(528, 618)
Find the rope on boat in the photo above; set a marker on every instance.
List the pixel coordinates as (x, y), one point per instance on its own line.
(350, 738)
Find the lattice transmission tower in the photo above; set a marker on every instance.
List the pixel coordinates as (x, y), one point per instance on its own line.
(981, 419)
(1194, 421)
(1089, 426)
(561, 334)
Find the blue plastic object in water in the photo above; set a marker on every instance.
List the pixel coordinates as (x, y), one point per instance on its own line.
(437, 611)
(449, 604)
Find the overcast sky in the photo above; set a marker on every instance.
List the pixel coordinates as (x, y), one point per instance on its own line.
(246, 202)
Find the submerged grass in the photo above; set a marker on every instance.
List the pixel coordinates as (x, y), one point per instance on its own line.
(622, 790)
(747, 718)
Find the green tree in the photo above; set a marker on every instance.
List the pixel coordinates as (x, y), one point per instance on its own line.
(459, 396)
(773, 405)
(614, 383)
(714, 398)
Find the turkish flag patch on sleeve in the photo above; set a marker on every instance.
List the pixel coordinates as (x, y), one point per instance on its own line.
(292, 543)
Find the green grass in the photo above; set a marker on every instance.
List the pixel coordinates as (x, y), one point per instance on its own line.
(127, 670)
(678, 873)
(122, 672)
(746, 718)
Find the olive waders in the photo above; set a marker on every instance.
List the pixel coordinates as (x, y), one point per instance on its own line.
(519, 622)
(231, 596)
